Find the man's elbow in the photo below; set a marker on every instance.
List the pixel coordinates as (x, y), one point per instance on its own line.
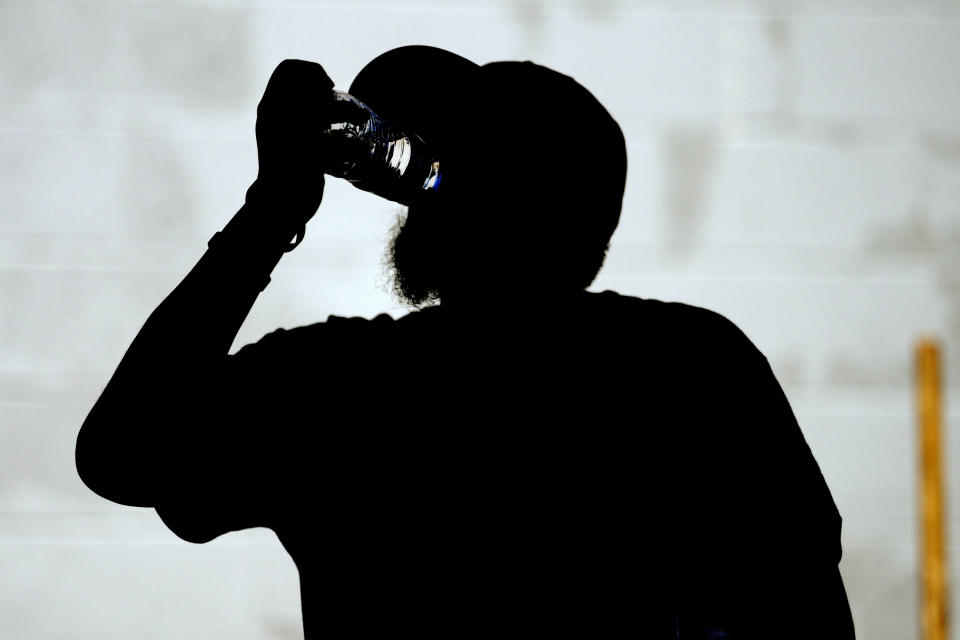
(111, 466)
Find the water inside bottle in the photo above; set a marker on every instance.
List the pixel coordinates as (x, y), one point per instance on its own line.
(376, 155)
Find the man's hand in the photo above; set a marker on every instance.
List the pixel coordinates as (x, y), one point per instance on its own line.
(291, 117)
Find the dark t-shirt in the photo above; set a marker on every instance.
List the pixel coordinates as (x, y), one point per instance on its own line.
(565, 463)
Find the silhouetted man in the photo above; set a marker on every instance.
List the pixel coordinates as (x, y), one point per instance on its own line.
(523, 459)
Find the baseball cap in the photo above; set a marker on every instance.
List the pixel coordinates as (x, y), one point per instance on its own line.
(537, 124)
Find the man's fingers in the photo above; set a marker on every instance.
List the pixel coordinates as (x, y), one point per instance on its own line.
(296, 81)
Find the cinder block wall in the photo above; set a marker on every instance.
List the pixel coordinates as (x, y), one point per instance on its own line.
(794, 165)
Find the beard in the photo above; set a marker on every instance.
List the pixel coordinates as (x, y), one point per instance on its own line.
(414, 258)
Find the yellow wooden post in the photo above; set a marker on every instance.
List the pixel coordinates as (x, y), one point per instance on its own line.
(934, 576)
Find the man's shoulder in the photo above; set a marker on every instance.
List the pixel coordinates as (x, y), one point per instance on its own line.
(653, 306)
(332, 331)
(675, 319)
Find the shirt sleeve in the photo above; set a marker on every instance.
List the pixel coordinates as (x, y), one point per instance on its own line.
(273, 416)
(765, 480)
(762, 534)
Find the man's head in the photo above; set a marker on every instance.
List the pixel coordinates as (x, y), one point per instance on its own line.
(533, 174)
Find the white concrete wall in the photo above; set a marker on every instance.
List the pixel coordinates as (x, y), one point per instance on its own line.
(794, 164)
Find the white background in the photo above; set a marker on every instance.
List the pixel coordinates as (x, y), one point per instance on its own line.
(794, 165)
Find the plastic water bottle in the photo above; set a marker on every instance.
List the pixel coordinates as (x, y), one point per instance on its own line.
(376, 155)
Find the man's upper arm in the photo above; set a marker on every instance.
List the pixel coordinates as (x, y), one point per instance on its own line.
(255, 426)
